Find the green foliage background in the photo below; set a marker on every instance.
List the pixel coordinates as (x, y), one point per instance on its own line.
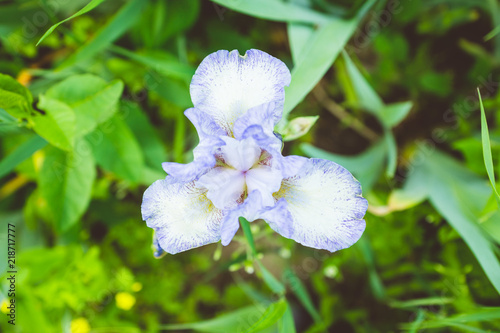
(88, 115)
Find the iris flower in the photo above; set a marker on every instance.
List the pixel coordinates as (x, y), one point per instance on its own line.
(238, 169)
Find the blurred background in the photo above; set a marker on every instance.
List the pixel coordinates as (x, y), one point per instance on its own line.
(88, 115)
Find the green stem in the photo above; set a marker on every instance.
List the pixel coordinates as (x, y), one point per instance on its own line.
(248, 235)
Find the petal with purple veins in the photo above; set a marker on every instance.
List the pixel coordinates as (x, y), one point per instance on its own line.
(226, 85)
(181, 214)
(325, 205)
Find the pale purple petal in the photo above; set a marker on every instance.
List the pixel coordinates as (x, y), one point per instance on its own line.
(226, 85)
(204, 124)
(209, 134)
(240, 154)
(261, 115)
(279, 218)
(269, 142)
(292, 164)
(325, 205)
(248, 209)
(225, 186)
(181, 214)
(266, 180)
(203, 160)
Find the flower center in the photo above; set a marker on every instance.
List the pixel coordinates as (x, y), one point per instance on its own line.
(242, 167)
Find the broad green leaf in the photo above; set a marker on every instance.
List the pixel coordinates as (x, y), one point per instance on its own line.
(413, 192)
(319, 54)
(271, 315)
(366, 167)
(393, 114)
(116, 149)
(388, 114)
(298, 35)
(459, 196)
(366, 95)
(92, 99)
(300, 291)
(22, 152)
(274, 10)
(10, 125)
(150, 175)
(297, 127)
(57, 125)
(286, 324)
(151, 145)
(91, 5)
(485, 138)
(15, 98)
(5, 117)
(491, 221)
(236, 321)
(65, 182)
(106, 35)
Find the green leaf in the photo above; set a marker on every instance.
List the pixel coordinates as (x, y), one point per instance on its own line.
(392, 153)
(116, 149)
(145, 133)
(318, 55)
(269, 279)
(92, 99)
(485, 138)
(492, 33)
(300, 291)
(413, 192)
(22, 152)
(239, 320)
(57, 125)
(106, 35)
(274, 10)
(174, 91)
(91, 5)
(15, 98)
(162, 62)
(421, 302)
(393, 114)
(483, 314)
(273, 313)
(65, 182)
(245, 226)
(366, 167)
(375, 282)
(459, 196)
(10, 125)
(366, 95)
(298, 35)
(273, 284)
(286, 324)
